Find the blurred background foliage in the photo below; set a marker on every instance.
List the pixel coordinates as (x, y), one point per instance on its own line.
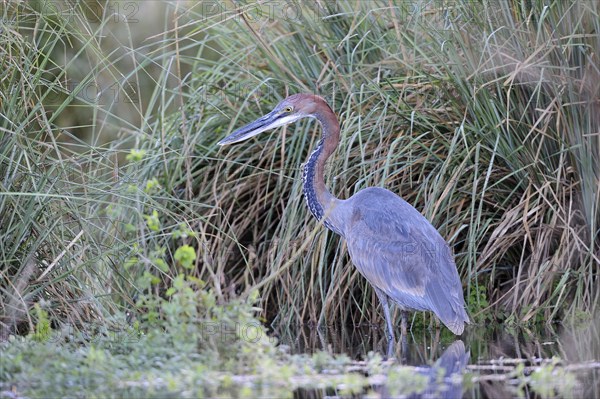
(485, 116)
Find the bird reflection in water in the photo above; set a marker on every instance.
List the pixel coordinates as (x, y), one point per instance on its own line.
(443, 378)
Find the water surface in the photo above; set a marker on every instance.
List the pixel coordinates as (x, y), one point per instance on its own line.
(484, 362)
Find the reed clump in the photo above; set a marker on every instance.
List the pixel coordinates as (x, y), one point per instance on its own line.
(484, 117)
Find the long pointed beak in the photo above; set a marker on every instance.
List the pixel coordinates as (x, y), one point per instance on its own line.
(270, 121)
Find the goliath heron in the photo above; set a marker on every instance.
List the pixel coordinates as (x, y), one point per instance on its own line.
(391, 244)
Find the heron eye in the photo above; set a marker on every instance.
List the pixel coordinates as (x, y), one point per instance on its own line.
(288, 109)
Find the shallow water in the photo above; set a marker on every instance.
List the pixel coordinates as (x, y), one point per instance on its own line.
(484, 363)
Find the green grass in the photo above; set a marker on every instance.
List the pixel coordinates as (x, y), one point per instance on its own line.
(484, 117)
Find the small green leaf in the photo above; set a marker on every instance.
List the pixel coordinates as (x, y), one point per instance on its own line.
(152, 185)
(135, 155)
(178, 282)
(152, 221)
(161, 264)
(186, 256)
(132, 261)
(42, 325)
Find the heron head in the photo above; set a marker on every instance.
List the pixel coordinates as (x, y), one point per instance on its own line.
(287, 111)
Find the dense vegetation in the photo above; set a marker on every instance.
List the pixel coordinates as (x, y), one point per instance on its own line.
(112, 189)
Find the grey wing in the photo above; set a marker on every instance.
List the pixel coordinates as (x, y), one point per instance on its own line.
(403, 255)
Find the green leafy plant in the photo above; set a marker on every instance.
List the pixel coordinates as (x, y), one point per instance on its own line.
(42, 324)
(185, 256)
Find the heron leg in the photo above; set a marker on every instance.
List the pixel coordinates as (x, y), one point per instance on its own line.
(404, 323)
(383, 298)
(404, 337)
